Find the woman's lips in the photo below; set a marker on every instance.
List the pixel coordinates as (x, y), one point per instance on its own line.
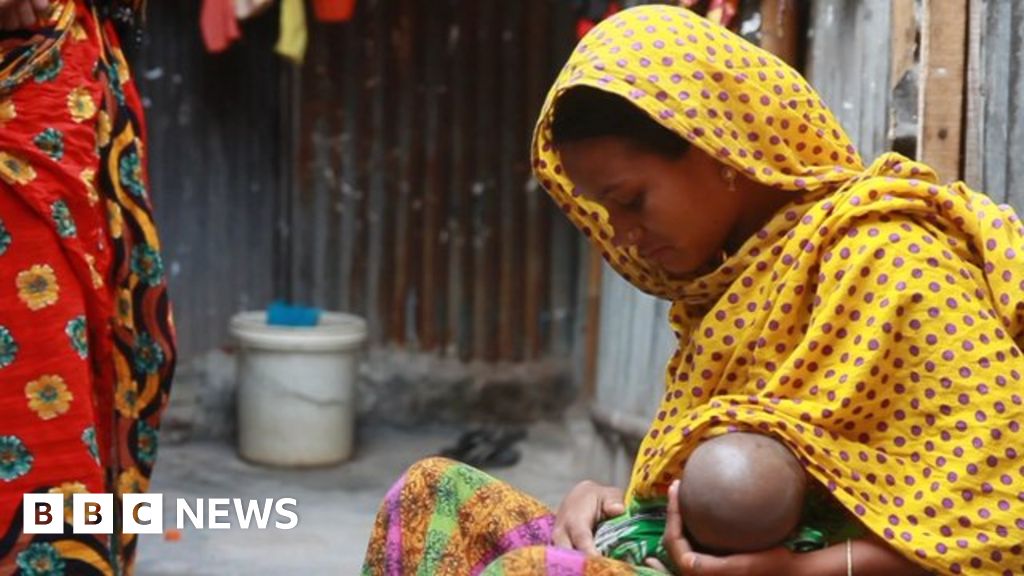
(653, 252)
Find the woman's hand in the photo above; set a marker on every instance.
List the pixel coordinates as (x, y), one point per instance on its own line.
(767, 563)
(19, 14)
(585, 505)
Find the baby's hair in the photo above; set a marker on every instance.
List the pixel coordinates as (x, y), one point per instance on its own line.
(741, 492)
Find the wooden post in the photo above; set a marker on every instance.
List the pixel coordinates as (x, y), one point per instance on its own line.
(779, 33)
(904, 79)
(536, 206)
(485, 214)
(461, 303)
(974, 125)
(511, 98)
(403, 39)
(593, 322)
(941, 97)
(386, 159)
(904, 39)
(433, 273)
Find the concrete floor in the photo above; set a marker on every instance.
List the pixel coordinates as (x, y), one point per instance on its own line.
(336, 506)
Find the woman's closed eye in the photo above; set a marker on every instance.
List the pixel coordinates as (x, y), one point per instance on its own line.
(631, 200)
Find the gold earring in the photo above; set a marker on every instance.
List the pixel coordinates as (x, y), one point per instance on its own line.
(729, 175)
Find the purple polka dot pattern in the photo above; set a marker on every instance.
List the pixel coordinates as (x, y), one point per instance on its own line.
(875, 325)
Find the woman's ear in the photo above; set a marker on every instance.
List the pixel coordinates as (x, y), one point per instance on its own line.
(729, 177)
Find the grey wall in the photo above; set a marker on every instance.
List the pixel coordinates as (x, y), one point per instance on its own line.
(997, 96)
(214, 161)
(848, 60)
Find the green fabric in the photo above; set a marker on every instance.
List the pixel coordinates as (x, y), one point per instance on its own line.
(636, 535)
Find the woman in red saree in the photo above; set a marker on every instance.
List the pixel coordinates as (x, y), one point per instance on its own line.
(86, 339)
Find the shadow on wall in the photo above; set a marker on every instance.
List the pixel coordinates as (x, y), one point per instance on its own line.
(395, 387)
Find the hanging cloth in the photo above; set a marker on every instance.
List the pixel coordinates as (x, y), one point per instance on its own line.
(219, 25)
(334, 10)
(591, 12)
(718, 11)
(293, 38)
(245, 9)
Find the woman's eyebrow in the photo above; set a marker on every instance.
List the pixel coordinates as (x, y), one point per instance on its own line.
(604, 192)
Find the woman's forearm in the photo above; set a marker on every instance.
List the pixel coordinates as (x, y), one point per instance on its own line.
(869, 557)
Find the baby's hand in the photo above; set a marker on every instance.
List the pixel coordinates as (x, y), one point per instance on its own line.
(679, 550)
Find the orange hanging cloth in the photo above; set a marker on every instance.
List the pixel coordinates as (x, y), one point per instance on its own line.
(334, 10)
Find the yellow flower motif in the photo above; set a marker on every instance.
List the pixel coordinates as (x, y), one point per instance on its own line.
(37, 286)
(97, 280)
(132, 481)
(14, 170)
(68, 489)
(7, 111)
(127, 398)
(115, 220)
(88, 177)
(81, 105)
(103, 129)
(48, 396)
(78, 32)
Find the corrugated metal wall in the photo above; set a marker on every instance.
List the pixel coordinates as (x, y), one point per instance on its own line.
(996, 95)
(214, 160)
(635, 344)
(412, 202)
(388, 176)
(848, 59)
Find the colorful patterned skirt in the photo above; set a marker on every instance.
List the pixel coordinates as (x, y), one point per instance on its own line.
(86, 341)
(443, 517)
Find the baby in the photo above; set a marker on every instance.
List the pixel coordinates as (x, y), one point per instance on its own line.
(739, 492)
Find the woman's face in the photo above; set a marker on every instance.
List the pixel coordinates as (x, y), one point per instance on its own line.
(678, 212)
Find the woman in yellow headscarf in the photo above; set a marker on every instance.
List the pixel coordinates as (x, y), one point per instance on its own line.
(867, 317)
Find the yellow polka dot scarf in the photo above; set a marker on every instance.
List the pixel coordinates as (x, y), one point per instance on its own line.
(874, 326)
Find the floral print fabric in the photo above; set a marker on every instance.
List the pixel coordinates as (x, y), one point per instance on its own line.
(86, 340)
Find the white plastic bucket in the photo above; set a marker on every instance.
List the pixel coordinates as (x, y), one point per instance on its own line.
(296, 389)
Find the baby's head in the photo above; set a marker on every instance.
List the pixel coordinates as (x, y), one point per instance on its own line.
(741, 492)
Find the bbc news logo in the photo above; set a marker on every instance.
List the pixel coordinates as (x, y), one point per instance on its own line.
(144, 513)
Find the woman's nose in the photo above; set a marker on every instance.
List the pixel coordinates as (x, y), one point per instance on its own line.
(626, 234)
